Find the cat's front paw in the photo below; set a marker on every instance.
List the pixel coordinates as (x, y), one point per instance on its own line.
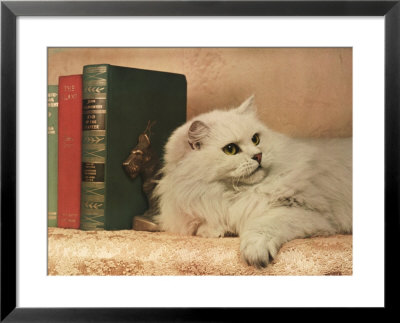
(207, 231)
(258, 250)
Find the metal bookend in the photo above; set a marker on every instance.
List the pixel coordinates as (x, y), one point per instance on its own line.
(143, 161)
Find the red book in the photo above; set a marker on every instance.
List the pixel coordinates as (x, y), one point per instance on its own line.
(69, 150)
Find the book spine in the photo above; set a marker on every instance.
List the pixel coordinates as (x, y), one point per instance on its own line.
(52, 154)
(69, 151)
(94, 146)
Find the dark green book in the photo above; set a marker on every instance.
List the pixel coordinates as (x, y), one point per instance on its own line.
(52, 154)
(118, 103)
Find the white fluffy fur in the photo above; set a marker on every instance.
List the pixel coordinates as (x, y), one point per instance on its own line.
(303, 188)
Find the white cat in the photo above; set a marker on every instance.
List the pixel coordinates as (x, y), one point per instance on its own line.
(226, 172)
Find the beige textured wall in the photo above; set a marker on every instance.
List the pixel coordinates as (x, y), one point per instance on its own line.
(299, 91)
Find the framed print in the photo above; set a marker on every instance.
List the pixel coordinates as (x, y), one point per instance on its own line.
(40, 38)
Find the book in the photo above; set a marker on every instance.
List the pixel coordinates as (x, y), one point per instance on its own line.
(118, 103)
(52, 154)
(69, 150)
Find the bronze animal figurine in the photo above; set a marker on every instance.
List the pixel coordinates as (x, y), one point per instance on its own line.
(144, 161)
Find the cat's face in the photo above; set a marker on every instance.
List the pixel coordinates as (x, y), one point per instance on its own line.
(239, 158)
(230, 146)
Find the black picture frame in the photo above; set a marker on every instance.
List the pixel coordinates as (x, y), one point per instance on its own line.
(10, 10)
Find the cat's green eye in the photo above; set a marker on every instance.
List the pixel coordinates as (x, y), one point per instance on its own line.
(255, 139)
(231, 149)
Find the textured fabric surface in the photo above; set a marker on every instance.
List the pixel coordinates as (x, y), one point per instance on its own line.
(129, 252)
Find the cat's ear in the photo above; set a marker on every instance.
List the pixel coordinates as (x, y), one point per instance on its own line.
(198, 130)
(248, 106)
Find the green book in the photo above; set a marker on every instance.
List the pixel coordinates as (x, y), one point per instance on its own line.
(52, 154)
(118, 103)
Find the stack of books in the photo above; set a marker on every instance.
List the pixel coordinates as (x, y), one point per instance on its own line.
(94, 121)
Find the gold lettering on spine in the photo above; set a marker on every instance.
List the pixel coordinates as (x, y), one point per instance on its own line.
(93, 147)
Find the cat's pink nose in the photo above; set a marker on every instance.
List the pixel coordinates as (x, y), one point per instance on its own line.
(258, 157)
